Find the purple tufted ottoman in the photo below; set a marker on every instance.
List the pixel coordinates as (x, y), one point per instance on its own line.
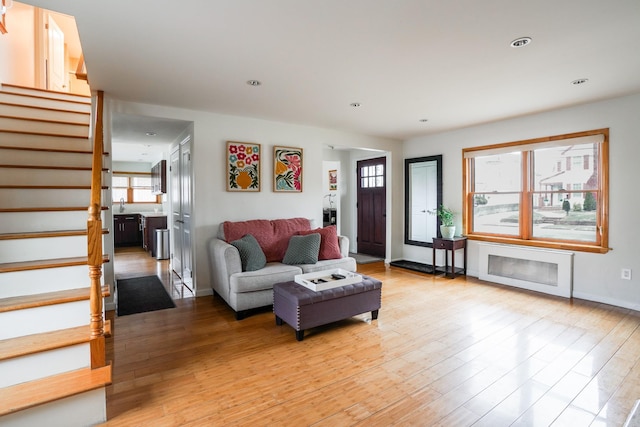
(303, 308)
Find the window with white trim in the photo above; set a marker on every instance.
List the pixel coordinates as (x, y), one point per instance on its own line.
(549, 192)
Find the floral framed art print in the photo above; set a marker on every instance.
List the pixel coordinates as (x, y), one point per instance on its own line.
(243, 166)
(287, 169)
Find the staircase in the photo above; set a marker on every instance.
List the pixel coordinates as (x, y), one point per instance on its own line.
(52, 354)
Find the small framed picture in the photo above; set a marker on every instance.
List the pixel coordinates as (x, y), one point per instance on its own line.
(243, 166)
(333, 180)
(287, 169)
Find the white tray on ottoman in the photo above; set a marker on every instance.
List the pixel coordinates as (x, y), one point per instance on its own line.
(322, 280)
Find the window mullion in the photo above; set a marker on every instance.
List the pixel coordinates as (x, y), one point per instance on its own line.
(526, 208)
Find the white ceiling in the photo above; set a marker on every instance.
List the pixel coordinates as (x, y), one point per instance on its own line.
(404, 60)
(142, 138)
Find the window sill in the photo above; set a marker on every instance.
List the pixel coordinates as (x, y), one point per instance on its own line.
(540, 244)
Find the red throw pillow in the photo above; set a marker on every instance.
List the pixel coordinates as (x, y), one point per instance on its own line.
(329, 245)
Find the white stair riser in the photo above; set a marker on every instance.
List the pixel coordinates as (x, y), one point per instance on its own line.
(21, 198)
(72, 104)
(19, 250)
(43, 141)
(85, 409)
(43, 127)
(43, 319)
(19, 176)
(22, 157)
(44, 114)
(31, 282)
(44, 221)
(36, 96)
(33, 366)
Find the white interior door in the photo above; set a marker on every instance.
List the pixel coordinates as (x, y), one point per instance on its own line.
(55, 62)
(176, 217)
(186, 210)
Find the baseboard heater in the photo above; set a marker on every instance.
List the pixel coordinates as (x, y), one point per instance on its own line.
(541, 270)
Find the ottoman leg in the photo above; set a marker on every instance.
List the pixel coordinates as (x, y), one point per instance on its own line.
(300, 335)
(374, 314)
(278, 321)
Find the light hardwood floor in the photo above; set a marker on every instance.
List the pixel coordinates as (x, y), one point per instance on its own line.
(442, 352)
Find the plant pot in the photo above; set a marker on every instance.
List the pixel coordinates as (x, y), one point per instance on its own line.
(447, 231)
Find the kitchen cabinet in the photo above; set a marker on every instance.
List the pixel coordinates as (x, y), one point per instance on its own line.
(149, 226)
(127, 230)
(159, 177)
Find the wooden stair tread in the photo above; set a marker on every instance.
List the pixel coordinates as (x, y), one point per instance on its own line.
(48, 298)
(24, 132)
(49, 187)
(50, 150)
(40, 234)
(47, 91)
(31, 119)
(46, 263)
(48, 167)
(36, 107)
(45, 341)
(49, 209)
(45, 390)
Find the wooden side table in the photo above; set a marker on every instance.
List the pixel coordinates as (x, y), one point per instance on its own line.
(452, 245)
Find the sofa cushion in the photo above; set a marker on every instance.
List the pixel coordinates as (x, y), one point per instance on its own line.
(272, 235)
(251, 281)
(251, 254)
(329, 245)
(302, 249)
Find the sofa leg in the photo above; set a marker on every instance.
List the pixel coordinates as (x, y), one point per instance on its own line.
(241, 314)
(278, 321)
(374, 314)
(300, 335)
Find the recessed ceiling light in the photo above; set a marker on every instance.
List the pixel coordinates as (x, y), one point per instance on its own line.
(150, 134)
(424, 120)
(254, 82)
(355, 104)
(521, 41)
(579, 81)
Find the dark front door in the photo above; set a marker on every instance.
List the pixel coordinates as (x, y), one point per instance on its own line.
(372, 202)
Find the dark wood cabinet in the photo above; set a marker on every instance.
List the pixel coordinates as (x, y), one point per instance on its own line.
(159, 177)
(329, 217)
(149, 226)
(127, 230)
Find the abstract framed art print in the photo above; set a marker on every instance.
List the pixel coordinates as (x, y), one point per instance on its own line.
(287, 169)
(243, 166)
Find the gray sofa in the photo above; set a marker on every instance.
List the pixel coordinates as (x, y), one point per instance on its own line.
(247, 290)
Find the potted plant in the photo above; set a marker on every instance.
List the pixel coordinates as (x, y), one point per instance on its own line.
(447, 227)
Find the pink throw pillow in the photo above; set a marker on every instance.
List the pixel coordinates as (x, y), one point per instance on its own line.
(329, 245)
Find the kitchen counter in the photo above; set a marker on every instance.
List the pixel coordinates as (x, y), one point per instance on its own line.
(151, 214)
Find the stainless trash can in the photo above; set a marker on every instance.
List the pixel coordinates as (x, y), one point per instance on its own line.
(162, 243)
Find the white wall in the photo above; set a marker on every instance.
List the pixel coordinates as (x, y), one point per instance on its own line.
(596, 276)
(213, 204)
(17, 53)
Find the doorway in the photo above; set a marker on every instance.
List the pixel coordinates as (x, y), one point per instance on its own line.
(371, 206)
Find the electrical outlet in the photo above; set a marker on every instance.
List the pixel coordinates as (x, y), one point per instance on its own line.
(625, 274)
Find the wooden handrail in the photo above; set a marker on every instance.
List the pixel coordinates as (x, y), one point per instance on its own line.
(81, 70)
(94, 241)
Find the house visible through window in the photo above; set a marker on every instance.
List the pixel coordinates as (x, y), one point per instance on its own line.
(132, 188)
(519, 193)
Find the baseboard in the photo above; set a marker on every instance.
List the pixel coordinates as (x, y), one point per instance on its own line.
(204, 292)
(607, 300)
